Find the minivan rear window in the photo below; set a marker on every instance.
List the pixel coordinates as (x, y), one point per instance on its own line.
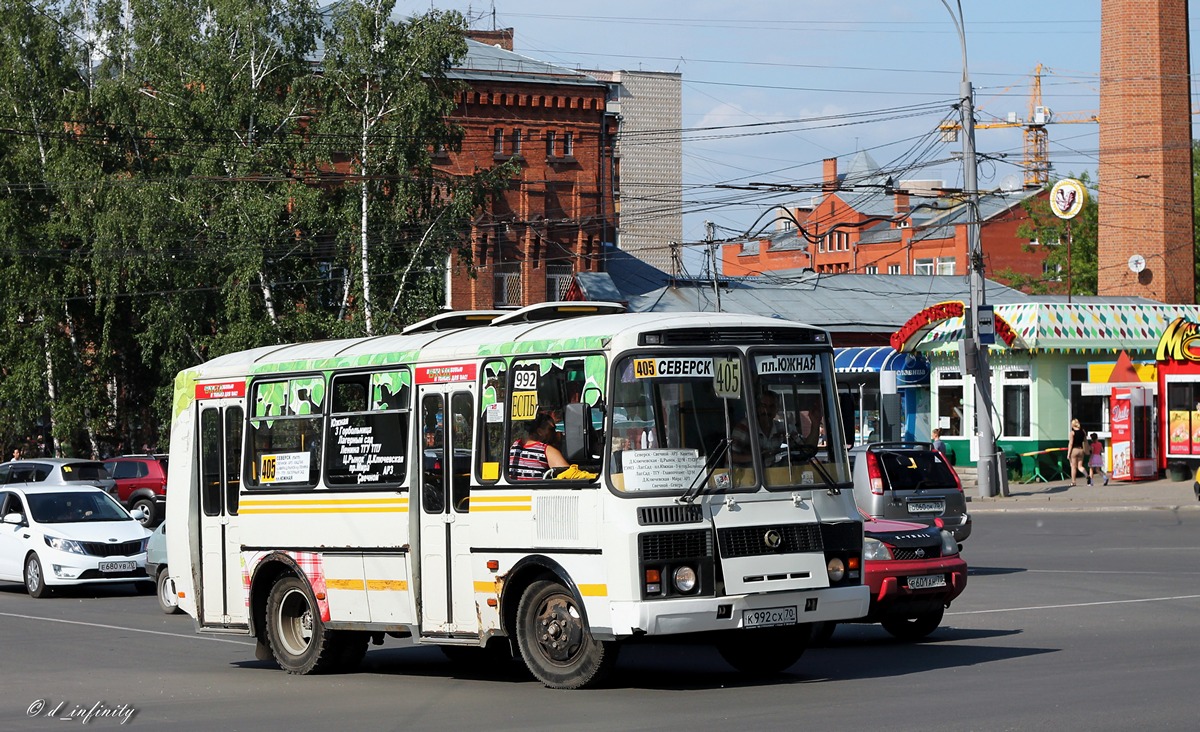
(84, 471)
(908, 470)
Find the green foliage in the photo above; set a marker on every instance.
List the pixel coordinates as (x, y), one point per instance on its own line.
(177, 192)
(1080, 272)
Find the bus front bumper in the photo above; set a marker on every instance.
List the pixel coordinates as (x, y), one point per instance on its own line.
(701, 614)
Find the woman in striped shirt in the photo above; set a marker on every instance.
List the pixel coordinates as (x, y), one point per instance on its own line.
(529, 458)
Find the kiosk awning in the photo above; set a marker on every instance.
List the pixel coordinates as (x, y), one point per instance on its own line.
(873, 359)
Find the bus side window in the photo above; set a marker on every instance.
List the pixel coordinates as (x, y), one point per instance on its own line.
(493, 408)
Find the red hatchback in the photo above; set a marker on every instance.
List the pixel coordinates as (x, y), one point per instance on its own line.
(141, 483)
(914, 572)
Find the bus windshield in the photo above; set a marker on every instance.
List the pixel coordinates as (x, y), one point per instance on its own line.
(672, 416)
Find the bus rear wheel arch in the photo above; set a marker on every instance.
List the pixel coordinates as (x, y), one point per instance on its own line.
(555, 641)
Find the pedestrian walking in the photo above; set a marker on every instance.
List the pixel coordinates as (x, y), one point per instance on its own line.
(939, 444)
(1096, 459)
(1076, 450)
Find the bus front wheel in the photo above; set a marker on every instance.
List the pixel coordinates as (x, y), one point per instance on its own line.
(298, 638)
(555, 641)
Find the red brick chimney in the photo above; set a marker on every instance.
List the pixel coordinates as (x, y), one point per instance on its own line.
(1145, 150)
(829, 180)
(902, 208)
(502, 37)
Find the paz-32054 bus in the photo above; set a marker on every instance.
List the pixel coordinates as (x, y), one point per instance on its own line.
(326, 495)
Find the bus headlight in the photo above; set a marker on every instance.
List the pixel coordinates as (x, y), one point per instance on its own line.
(836, 569)
(685, 579)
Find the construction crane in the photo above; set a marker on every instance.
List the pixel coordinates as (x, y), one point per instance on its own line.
(1036, 162)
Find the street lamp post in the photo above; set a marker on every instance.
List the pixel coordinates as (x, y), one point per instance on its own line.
(975, 356)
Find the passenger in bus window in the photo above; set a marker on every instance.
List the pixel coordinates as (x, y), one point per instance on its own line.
(772, 433)
(530, 457)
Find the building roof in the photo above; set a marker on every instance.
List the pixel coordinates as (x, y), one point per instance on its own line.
(485, 62)
(493, 63)
(1085, 324)
(845, 303)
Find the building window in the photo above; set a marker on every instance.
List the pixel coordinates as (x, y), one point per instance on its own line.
(1015, 392)
(893, 269)
(950, 403)
(508, 283)
(945, 265)
(498, 142)
(516, 142)
(1091, 411)
(558, 280)
(550, 144)
(923, 267)
(568, 144)
(872, 269)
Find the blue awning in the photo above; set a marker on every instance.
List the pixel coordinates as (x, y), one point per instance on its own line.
(912, 368)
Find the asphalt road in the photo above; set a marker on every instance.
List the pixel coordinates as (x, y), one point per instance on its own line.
(1070, 621)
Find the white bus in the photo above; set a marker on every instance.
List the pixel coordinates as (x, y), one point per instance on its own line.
(326, 495)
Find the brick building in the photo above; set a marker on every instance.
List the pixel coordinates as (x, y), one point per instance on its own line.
(558, 211)
(862, 223)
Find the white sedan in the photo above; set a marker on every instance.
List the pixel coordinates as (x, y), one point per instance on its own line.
(53, 535)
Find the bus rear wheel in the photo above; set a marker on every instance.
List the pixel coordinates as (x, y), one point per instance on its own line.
(555, 641)
(296, 635)
(764, 651)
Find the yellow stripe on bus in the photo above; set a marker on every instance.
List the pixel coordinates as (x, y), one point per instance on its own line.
(325, 509)
(315, 501)
(475, 509)
(501, 503)
(593, 590)
(359, 585)
(486, 587)
(324, 505)
(392, 585)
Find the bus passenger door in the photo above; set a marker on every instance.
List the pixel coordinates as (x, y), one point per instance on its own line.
(447, 594)
(221, 598)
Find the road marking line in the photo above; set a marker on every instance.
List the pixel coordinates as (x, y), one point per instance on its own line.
(131, 630)
(1075, 604)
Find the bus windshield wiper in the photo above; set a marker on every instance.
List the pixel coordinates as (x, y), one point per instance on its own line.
(833, 488)
(701, 480)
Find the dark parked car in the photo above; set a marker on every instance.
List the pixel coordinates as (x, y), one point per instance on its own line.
(914, 572)
(141, 482)
(910, 481)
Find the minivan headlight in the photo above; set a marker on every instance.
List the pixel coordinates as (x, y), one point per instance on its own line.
(949, 544)
(875, 550)
(65, 545)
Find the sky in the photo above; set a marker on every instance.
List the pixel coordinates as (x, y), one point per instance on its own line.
(771, 88)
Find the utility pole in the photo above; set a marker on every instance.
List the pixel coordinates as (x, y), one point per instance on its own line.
(712, 252)
(975, 355)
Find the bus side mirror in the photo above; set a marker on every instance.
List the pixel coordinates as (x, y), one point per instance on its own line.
(577, 424)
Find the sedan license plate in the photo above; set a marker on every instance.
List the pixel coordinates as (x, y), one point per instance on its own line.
(926, 506)
(769, 616)
(117, 566)
(924, 582)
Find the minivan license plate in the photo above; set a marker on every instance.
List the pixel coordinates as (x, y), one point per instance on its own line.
(117, 566)
(769, 616)
(924, 582)
(926, 506)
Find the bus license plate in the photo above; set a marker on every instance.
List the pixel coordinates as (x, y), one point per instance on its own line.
(926, 506)
(924, 582)
(117, 566)
(768, 617)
